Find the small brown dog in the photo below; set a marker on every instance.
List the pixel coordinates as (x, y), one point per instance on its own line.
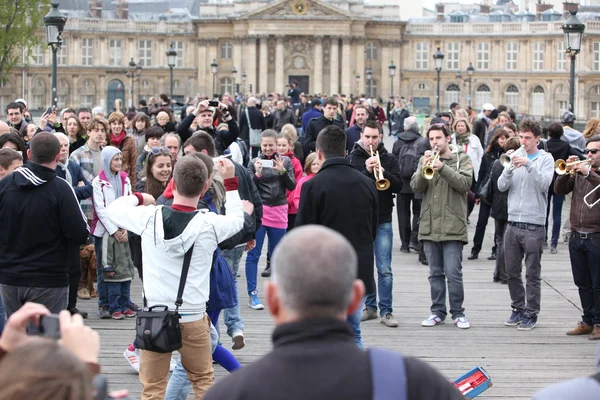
(88, 267)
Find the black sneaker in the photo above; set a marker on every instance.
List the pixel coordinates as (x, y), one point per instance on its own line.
(74, 311)
(528, 323)
(266, 273)
(423, 259)
(415, 246)
(515, 318)
(404, 250)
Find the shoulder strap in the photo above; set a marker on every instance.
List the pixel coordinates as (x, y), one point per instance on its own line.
(596, 377)
(248, 118)
(388, 375)
(184, 272)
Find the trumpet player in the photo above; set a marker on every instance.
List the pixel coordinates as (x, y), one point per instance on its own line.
(371, 157)
(443, 226)
(527, 182)
(584, 243)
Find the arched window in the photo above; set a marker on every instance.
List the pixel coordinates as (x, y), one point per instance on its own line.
(452, 94)
(538, 102)
(511, 97)
(226, 85)
(226, 50)
(483, 95)
(371, 51)
(39, 94)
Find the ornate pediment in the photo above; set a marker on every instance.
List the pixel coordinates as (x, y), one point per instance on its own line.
(299, 9)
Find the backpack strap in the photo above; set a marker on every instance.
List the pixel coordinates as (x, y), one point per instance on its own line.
(388, 375)
(596, 377)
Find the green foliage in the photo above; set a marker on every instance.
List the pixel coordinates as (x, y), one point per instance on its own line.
(20, 20)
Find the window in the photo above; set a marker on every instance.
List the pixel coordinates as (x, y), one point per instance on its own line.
(373, 86)
(86, 101)
(145, 53)
(226, 85)
(452, 55)
(482, 95)
(561, 65)
(87, 51)
(452, 94)
(538, 56)
(177, 84)
(512, 53)
(596, 56)
(371, 51)
(61, 56)
(595, 109)
(483, 55)
(422, 55)
(226, 50)
(88, 84)
(178, 45)
(562, 106)
(421, 86)
(37, 55)
(537, 102)
(115, 51)
(511, 97)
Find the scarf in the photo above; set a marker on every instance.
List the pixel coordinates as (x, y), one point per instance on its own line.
(463, 139)
(117, 141)
(108, 153)
(68, 177)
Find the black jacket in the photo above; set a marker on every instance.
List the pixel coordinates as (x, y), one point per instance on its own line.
(318, 360)
(480, 127)
(313, 128)
(286, 116)
(391, 172)
(499, 199)
(269, 121)
(352, 136)
(486, 164)
(223, 139)
(81, 192)
(397, 118)
(257, 120)
(560, 150)
(41, 218)
(342, 198)
(272, 185)
(406, 138)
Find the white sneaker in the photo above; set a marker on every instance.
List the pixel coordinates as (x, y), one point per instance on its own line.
(173, 363)
(462, 323)
(432, 320)
(237, 340)
(133, 358)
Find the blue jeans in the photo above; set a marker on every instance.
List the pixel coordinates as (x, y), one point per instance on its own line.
(557, 204)
(445, 264)
(102, 290)
(385, 279)
(118, 296)
(179, 386)
(275, 235)
(231, 316)
(354, 322)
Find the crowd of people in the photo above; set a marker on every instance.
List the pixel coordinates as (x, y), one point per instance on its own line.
(144, 192)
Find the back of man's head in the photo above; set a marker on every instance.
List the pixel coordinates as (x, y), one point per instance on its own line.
(319, 284)
(201, 140)
(410, 123)
(44, 148)
(331, 141)
(190, 176)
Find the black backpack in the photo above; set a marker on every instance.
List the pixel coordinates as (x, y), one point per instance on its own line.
(408, 159)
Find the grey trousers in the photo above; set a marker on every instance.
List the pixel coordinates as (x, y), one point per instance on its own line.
(13, 297)
(528, 243)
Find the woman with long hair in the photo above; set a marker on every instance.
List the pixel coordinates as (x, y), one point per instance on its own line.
(139, 124)
(76, 133)
(311, 167)
(14, 141)
(592, 128)
(118, 137)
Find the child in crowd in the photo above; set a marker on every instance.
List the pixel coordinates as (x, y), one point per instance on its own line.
(312, 165)
(284, 148)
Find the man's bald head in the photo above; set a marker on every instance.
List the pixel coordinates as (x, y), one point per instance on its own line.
(319, 283)
(4, 128)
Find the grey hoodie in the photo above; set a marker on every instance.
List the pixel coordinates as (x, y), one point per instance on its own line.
(528, 189)
(574, 138)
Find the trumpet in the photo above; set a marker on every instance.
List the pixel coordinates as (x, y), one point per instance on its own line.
(380, 182)
(590, 205)
(428, 171)
(560, 166)
(506, 159)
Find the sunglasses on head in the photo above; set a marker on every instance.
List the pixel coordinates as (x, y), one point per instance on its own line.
(159, 150)
(593, 151)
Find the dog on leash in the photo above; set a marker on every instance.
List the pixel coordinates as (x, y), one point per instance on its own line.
(87, 255)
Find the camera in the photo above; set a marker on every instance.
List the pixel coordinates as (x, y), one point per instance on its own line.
(266, 163)
(213, 103)
(48, 326)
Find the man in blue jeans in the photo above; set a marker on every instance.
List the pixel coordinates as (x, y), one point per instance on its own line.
(443, 227)
(367, 154)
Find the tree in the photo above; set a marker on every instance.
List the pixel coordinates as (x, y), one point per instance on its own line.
(20, 20)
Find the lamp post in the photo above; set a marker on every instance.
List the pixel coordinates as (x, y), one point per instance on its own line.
(470, 72)
(244, 76)
(55, 23)
(171, 55)
(369, 78)
(233, 75)
(214, 68)
(134, 72)
(358, 84)
(138, 77)
(438, 59)
(573, 29)
(392, 72)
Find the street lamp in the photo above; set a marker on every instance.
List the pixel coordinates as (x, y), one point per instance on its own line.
(392, 72)
(214, 68)
(134, 72)
(171, 56)
(233, 75)
(244, 76)
(438, 59)
(358, 85)
(55, 23)
(573, 29)
(470, 72)
(369, 77)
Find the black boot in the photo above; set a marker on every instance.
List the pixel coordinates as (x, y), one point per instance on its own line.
(267, 272)
(473, 256)
(422, 257)
(493, 256)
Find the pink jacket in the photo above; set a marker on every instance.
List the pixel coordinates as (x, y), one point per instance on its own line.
(292, 208)
(298, 189)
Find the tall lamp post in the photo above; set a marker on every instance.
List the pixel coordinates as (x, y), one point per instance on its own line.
(358, 85)
(134, 72)
(392, 72)
(470, 72)
(244, 76)
(369, 79)
(573, 29)
(438, 59)
(171, 56)
(214, 68)
(55, 23)
(233, 75)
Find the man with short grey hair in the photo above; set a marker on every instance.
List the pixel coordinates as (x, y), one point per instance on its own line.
(173, 143)
(309, 296)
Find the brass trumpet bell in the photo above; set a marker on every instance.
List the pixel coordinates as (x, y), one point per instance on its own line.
(560, 166)
(380, 182)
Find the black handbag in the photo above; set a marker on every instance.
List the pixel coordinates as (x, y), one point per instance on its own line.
(157, 328)
(485, 190)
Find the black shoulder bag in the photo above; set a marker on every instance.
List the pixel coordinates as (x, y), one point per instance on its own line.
(157, 329)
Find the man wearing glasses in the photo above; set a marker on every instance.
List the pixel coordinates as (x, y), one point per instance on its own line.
(584, 248)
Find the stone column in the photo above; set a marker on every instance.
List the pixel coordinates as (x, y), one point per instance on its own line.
(237, 60)
(347, 78)
(202, 63)
(263, 65)
(251, 63)
(102, 95)
(334, 63)
(280, 81)
(359, 51)
(75, 90)
(102, 59)
(318, 75)
(213, 54)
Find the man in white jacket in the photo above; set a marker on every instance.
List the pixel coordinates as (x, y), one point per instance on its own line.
(167, 233)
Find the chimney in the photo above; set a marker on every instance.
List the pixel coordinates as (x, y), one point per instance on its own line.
(484, 9)
(540, 8)
(122, 9)
(95, 8)
(568, 7)
(439, 9)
